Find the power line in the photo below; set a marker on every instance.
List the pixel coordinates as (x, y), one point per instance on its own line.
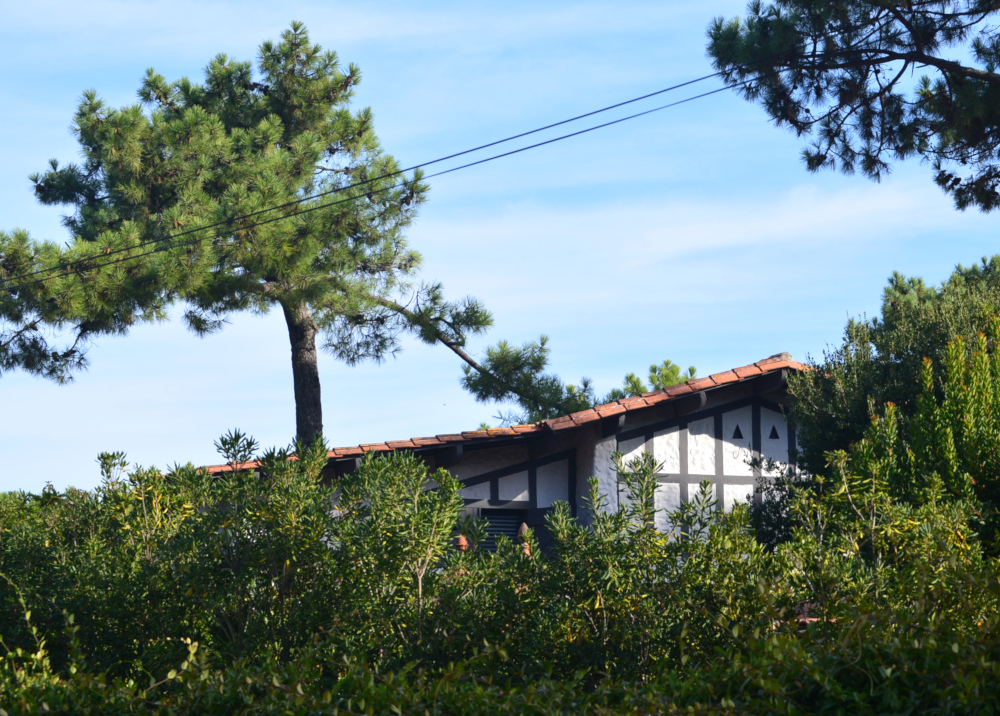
(318, 207)
(4, 283)
(319, 195)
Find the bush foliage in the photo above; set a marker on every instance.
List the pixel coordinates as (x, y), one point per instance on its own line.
(881, 359)
(286, 592)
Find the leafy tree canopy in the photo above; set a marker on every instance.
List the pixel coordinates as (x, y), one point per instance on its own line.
(244, 592)
(881, 359)
(947, 448)
(841, 71)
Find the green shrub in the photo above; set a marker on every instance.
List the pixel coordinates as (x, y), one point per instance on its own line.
(881, 359)
(279, 590)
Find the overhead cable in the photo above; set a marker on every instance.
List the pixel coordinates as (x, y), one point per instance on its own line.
(389, 175)
(233, 223)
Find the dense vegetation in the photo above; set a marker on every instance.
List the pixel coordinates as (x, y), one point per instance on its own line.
(182, 593)
(881, 359)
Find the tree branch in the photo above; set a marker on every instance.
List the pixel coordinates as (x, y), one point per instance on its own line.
(455, 348)
(17, 334)
(441, 338)
(955, 68)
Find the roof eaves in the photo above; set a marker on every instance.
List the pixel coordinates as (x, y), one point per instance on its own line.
(770, 364)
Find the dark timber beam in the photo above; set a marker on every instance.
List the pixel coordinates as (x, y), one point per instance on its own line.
(613, 425)
(691, 403)
(449, 456)
(777, 380)
(339, 468)
(542, 446)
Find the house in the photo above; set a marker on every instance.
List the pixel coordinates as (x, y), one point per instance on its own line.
(726, 428)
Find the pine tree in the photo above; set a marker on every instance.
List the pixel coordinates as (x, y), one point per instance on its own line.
(516, 375)
(27, 314)
(661, 376)
(841, 70)
(204, 155)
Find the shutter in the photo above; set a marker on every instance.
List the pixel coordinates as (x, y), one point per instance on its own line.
(501, 522)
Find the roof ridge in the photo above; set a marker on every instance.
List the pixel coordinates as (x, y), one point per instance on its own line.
(692, 385)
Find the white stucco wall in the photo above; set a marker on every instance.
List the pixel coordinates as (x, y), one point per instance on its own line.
(514, 487)
(476, 492)
(679, 472)
(632, 449)
(734, 494)
(736, 452)
(604, 470)
(667, 451)
(667, 499)
(478, 462)
(552, 482)
(694, 487)
(701, 447)
(773, 423)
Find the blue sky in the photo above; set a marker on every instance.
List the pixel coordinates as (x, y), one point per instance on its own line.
(693, 234)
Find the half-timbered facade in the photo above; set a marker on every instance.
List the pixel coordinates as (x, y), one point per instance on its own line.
(728, 428)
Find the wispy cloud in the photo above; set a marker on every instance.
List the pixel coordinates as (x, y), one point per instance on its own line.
(694, 235)
(589, 241)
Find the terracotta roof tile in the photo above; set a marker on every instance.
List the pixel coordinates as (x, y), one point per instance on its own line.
(424, 442)
(586, 416)
(560, 423)
(682, 389)
(374, 447)
(776, 358)
(772, 363)
(694, 385)
(700, 383)
(475, 434)
(400, 444)
(229, 468)
(452, 438)
(722, 378)
(534, 428)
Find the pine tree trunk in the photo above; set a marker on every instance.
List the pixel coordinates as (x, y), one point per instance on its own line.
(302, 331)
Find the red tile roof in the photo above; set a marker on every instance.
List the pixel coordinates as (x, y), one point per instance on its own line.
(775, 363)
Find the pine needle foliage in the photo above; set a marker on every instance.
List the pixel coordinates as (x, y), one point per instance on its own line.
(840, 71)
(517, 375)
(189, 155)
